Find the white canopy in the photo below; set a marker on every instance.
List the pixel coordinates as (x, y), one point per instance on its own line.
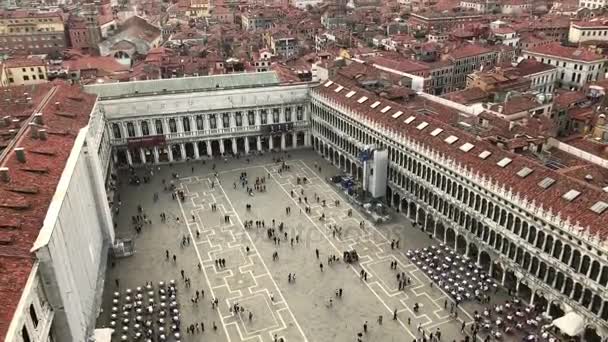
(103, 335)
(571, 324)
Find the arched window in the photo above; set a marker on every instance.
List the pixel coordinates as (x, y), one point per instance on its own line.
(186, 123)
(159, 126)
(130, 129)
(172, 126)
(116, 131)
(145, 130)
(199, 123)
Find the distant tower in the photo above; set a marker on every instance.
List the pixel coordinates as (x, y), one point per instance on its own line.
(90, 14)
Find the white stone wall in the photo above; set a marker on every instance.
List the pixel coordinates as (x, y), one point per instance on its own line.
(33, 315)
(73, 244)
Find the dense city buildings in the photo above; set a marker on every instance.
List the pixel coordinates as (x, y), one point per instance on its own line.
(452, 153)
(32, 31)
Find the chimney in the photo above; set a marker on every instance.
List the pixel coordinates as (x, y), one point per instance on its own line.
(5, 121)
(20, 152)
(38, 118)
(4, 176)
(15, 123)
(42, 134)
(601, 120)
(33, 130)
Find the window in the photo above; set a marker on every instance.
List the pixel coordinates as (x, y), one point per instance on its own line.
(264, 116)
(239, 119)
(33, 315)
(145, 130)
(226, 120)
(275, 115)
(25, 334)
(159, 126)
(300, 113)
(200, 123)
(130, 129)
(186, 123)
(251, 117)
(288, 114)
(116, 131)
(26, 78)
(212, 121)
(172, 126)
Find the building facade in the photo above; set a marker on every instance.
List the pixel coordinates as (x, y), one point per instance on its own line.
(588, 31)
(575, 66)
(478, 199)
(258, 114)
(32, 32)
(25, 71)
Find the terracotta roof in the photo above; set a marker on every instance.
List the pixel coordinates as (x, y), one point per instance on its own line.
(515, 104)
(23, 62)
(108, 64)
(564, 98)
(401, 64)
(599, 23)
(530, 66)
(467, 96)
(23, 212)
(560, 51)
(577, 211)
(468, 50)
(24, 13)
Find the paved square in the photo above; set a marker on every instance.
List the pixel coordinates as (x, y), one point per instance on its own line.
(294, 311)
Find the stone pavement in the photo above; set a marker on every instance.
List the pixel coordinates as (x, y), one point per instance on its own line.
(294, 311)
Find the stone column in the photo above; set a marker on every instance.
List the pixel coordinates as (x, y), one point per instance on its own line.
(182, 149)
(294, 140)
(180, 124)
(170, 153)
(283, 141)
(142, 155)
(270, 142)
(209, 150)
(221, 146)
(246, 145)
(259, 143)
(232, 120)
(156, 157)
(165, 123)
(129, 159)
(206, 125)
(234, 149)
(196, 152)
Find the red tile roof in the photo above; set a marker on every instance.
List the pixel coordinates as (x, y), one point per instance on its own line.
(577, 211)
(25, 199)
(566, 52)
(22, 62)
(468, 50)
